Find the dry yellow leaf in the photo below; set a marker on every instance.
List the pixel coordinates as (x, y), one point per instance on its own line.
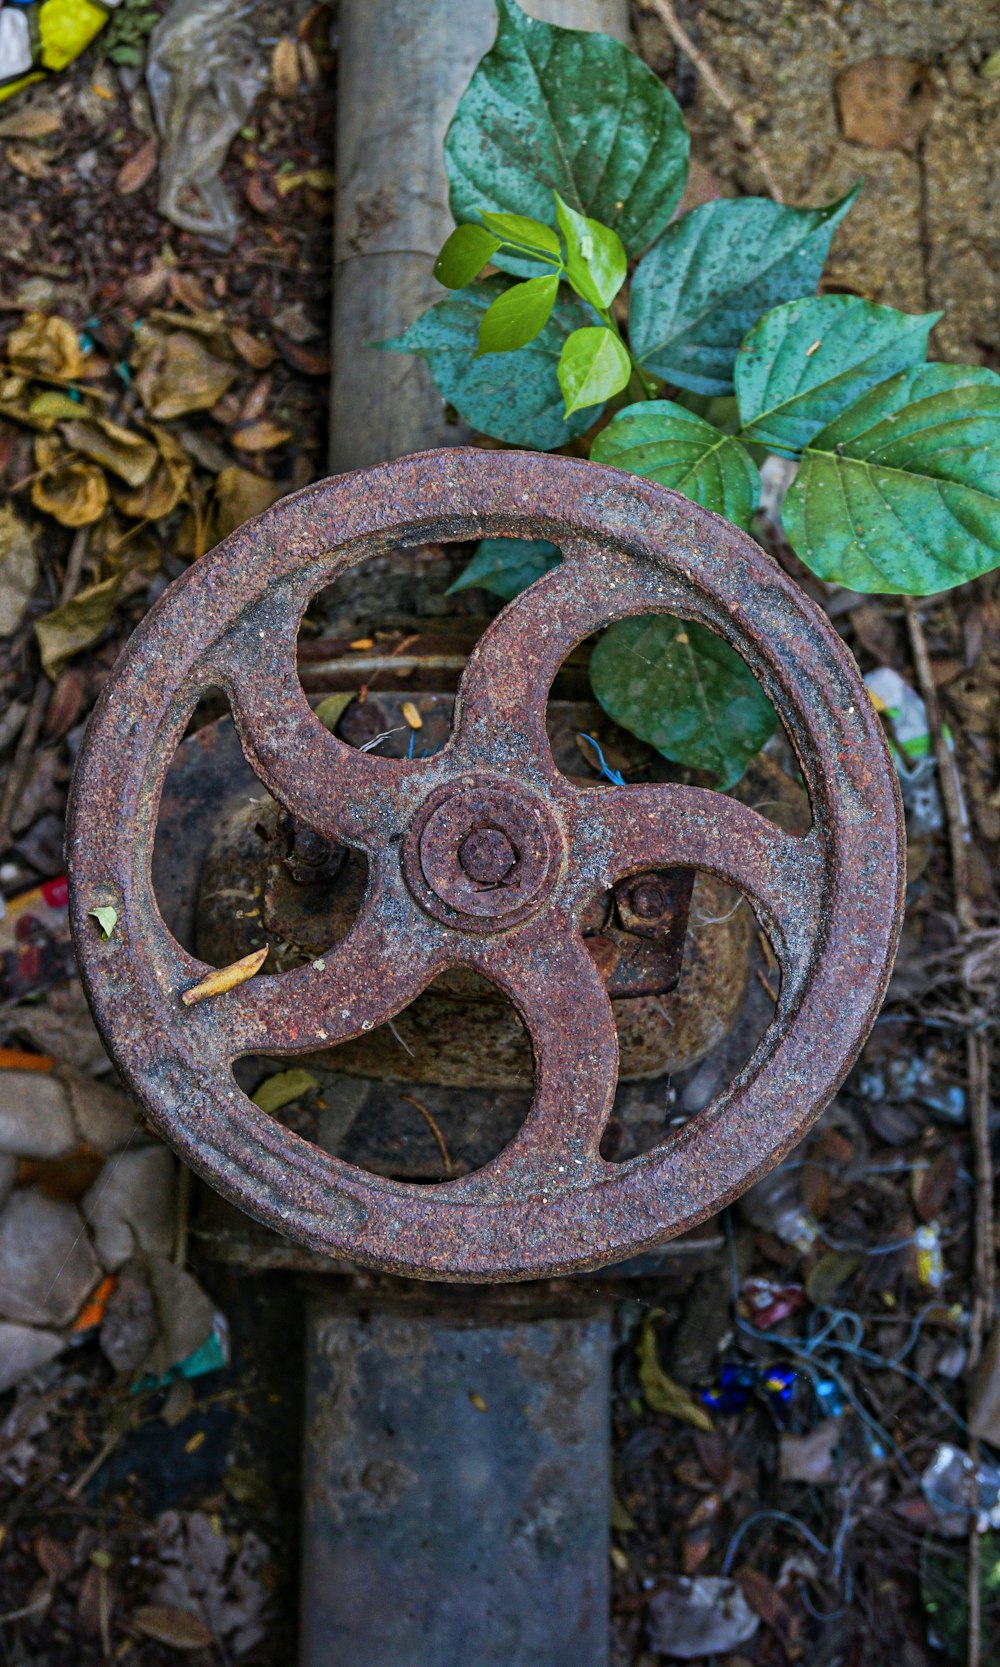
(250, 348)
(52, 406)
(30, 160)
(75, 493)
(260, 436)
(285, 67)
(239, 494)
(412, 716)
(125, 453)
(77, 625)
(362, 642)
(318, 179)
(179, 372)
(166, 485)
(46, 345)
(18, 568)
(33, 123)
(225, 978)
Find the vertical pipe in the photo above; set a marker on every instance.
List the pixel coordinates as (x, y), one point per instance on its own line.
(404, 65)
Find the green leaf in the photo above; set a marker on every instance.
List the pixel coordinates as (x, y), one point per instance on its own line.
(515, 317)
(516, 399)
(332, 708)
(518, 228)
(506, 566)
(596, 261)
(711, 275)
(464, 255)
(284, 1087)
(562, 110)
(664, 442)
(106, 918)
(901, 492)
(678, 686)
(593, 365)
(661, 1392)
(805, 361)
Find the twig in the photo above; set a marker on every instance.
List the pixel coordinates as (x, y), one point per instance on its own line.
(665, 12)
(412, 1100)
(977, 1060)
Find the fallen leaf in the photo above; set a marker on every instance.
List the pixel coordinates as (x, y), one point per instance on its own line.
(76, 625)
(885, 103)
(74, 493)
(826, 1276)
(250, 348)
(121, 450)
(106, 918)
(31, 161)
(225, 978)
(285, 67)
(165, 487)
(134, 173)
(54, 1558)
(52, 406)
(332, 708)
(33, 123)
(411, 715)
(318, 179)
(310, 361)
(46, 345)
(661, 1392)
(809, 1458)
(282, 1088)
(18, 568)
(178, 372)
(177, 1628)
(239, 494)
(260, 436)
(144, 287)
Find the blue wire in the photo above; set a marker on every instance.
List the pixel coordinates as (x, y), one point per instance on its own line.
(615, 777)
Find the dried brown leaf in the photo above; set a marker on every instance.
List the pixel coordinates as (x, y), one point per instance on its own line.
(260, 436)
(46, 345)
(76, 625)
(134, 173)
(177, 1628)
(239, 494)
(54, 1558)
(144, 287)
(285, 67)
(18, 568)
(885, 103)
(179, 372)
(310, 361)
(30, 160)
(32, 123)
(124, 452)
(257, 353)
(166, 485)
(74, 493)
(225, 978)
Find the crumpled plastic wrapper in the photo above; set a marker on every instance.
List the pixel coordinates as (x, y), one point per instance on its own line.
(204, 71)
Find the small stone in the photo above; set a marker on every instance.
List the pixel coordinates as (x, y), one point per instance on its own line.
(35, 1120)
(130, 1206)
(47, 1263)
(23, 1349)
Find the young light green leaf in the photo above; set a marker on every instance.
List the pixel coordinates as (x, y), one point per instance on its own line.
(515, 317)
(517, 399)
(663, 442)
(685, 691)
(463, 256)
(593, 365)
(106, 918)
(282, 1087)
(901, 492)
(506, 566)
(530, 234)
(711, 275)
(596, 262)
(806, 360)
(545, 110)
(332, 708)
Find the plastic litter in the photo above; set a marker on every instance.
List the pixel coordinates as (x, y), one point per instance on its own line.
(947, 1487)
(689, 1619)
(775, 1206)
(930, 1261)
(911, 748)
(39, 38)
(204, 71)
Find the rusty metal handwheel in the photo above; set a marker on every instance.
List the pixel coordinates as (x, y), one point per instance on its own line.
(485, 856)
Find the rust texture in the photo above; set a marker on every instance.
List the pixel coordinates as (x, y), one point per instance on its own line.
(830, 902)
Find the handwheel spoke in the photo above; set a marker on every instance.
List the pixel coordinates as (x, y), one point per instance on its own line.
(388, 957)
(622, 830)
(555, 986)
(339, 791)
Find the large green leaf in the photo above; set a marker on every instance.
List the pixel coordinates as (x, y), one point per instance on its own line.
(685, 691)
(562, 110)
(901, 492)
(711, 275)
(514, 396)
(507, 566)
(805, 361)
(666, 443)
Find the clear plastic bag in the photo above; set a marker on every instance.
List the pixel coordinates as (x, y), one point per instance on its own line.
(204, 71)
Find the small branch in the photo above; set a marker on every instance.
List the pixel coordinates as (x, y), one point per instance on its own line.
(667, 15)
(951, 793)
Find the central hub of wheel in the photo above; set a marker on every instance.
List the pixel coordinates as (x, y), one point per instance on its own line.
(482, 854)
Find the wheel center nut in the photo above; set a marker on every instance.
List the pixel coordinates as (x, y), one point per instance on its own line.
(487, 856)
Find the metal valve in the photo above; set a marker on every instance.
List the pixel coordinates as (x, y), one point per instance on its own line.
(485, 856)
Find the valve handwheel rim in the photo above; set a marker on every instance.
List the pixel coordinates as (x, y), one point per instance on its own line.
(830, 901)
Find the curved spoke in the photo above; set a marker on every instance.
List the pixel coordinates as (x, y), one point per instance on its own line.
(340, 792)
(621, 830)
(389, 956)
(555, 986)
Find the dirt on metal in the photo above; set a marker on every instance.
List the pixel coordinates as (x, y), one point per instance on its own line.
(830, 901)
